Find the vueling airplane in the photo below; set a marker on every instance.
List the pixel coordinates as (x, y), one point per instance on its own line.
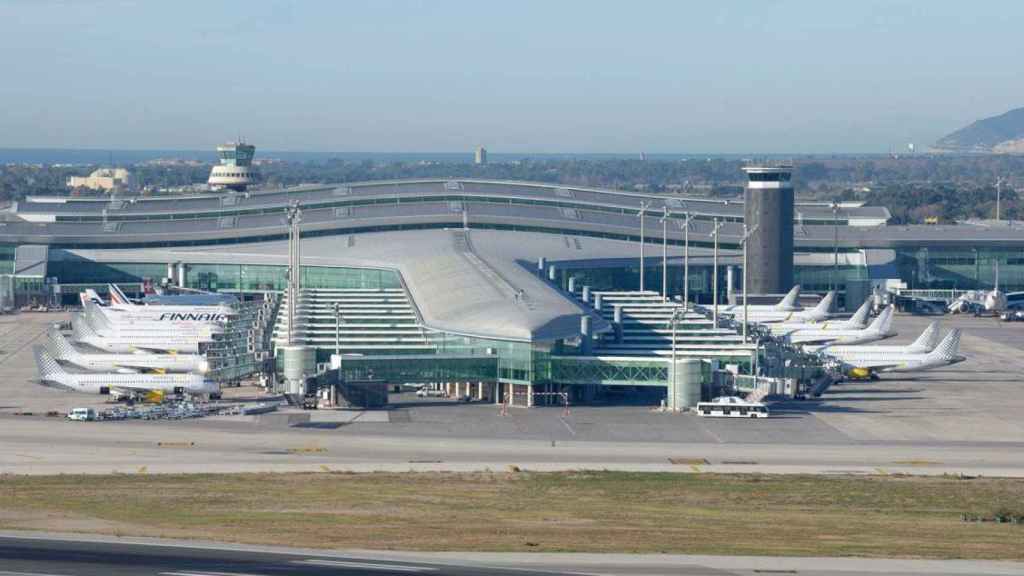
(880, 328)
(787, 304)
(926, 342)
(121, 385)
(868, 363)
(858, 321)
(63, 351)
(816, 314)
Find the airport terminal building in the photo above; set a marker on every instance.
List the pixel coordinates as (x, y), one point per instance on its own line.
(528, 285)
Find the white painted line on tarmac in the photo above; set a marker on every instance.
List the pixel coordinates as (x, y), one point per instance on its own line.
(364, 565)
(567, 425)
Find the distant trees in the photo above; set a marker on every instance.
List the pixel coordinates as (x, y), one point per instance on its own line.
(913, 187)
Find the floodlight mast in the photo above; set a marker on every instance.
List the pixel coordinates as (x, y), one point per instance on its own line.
(643, 210)
(664, 255)
(714, 277)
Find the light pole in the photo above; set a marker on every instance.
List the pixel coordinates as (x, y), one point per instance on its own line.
(714, 274)
(746, 236)
(337, 330)
(643, 211)
(835, 246)
(686, 259)
(676, 316)
(999, 194)
(664, 254)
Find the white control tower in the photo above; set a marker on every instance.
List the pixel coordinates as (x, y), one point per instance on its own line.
(235, 170)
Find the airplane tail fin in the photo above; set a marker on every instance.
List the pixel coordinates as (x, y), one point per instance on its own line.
(883, 322)
(860, 317)
(92, 296)
(97, 318)
(117, 296)
(825, 305)
(790, 301)
(59, 347)
(80, 327)
(928, 339)
(48, 367)
(948, 349)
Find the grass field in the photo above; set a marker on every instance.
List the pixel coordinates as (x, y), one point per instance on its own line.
(522, 511)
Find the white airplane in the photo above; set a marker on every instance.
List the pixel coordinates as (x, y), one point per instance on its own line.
(63, 351)
(880, 328)
(816, 314)
(121, 385)
(868, 364)
(926, 342)
(83, 333)
(993, 301)
(163, 312)
(789, 303)
(858, 321)
(106, 323)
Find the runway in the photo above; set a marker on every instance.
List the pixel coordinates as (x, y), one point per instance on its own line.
(68, 555)
(46, 557)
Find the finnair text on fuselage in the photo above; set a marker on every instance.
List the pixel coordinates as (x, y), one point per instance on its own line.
(192, 317)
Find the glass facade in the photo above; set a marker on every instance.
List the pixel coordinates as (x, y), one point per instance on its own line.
(6, 259)
(961, 269)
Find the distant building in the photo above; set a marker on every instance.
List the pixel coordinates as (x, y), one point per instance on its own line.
(481, 155)
(235, 171)
(106, 179)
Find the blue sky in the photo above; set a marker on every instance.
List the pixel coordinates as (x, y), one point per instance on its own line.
(522, 76)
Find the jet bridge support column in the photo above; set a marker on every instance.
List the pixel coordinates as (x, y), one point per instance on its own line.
(586, 338)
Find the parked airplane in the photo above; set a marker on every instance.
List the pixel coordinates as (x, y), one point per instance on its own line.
(789, 303)
(926, 342)
(858, 321)
(165, 314)
(816, 314)
(105, 323)
(868, 364)
(121, 385)
(880, 328)
(62, 350)
(118, 301)
(993, 301)
(170, 341)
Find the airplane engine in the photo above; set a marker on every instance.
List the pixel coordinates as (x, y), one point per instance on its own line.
(860, 373)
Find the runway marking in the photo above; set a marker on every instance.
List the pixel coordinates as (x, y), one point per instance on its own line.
(567, 426)
(365, 565)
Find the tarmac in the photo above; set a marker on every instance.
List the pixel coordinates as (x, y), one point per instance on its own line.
(44, 554)
(961, 420)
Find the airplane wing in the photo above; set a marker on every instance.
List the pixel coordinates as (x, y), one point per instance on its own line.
(141, 369)
(155, 350)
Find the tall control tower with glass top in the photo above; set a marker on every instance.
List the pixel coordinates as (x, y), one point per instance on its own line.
(235, 170)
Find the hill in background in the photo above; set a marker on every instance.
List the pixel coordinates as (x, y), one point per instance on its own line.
(1003, 134)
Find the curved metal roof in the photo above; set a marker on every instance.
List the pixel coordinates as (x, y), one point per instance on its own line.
(416, 204)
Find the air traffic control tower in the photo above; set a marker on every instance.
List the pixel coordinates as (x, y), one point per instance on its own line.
(769, 206)
(235, 171)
